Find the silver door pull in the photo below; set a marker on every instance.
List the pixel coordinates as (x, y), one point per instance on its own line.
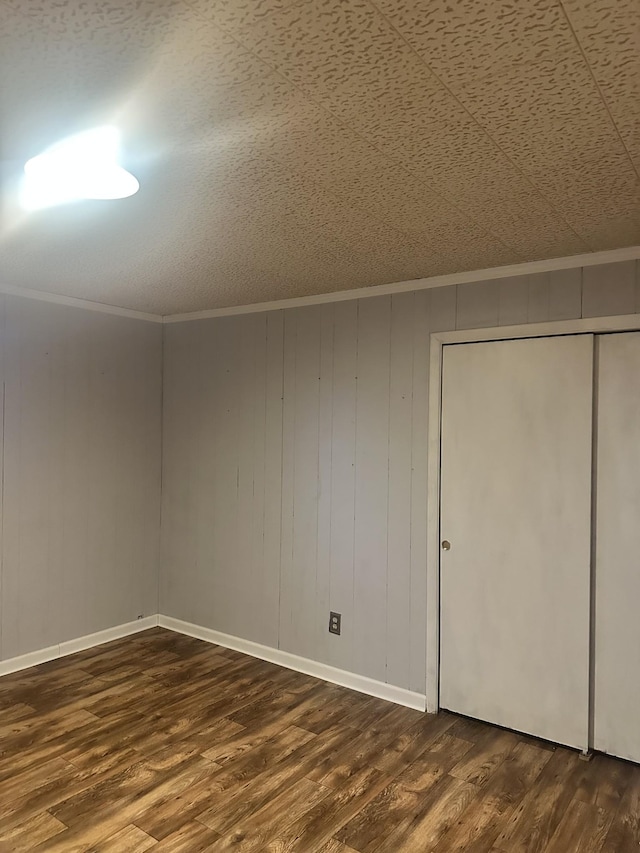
(446, 545)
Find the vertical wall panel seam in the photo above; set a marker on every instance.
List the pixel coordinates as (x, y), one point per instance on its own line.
(265, 380)
(159, 560)
(294, 449)
(3, 356)
(411, 484)
(386, 624)
(355, 478)
(282, 408)
(594, 532)
(317, 513)
(333, 386)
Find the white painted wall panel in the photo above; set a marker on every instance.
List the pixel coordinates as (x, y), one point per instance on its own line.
(330, 451)
(565, 294)
(343, 495)
(267, 617)
(321, 638)
(183, 399)
(398, 603)
(81, 472)
(478, 305)
(372, 484)
(610, 289)
(513, 300)
(538, 298)
(301, 407)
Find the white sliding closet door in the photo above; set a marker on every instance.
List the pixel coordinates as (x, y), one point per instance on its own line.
(617, 612)
(516, 509)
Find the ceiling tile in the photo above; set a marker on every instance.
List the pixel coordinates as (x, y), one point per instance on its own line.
(609, 33)
(235, 15)
(551, 122)
(469, 39)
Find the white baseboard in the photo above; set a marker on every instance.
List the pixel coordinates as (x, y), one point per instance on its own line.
(332, 674)
(70, 646)
(309, 667)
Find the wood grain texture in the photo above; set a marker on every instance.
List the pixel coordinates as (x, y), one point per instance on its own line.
(226, 752)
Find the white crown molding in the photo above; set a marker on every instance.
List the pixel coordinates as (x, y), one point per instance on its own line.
(75, 302)
(630, 253)
(360, 683)
(69, 647)
(473, 276)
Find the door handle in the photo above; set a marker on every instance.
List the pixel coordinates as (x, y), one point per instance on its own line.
(446, 545)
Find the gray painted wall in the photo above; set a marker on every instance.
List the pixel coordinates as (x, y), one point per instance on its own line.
(81, 479)
(295, 453)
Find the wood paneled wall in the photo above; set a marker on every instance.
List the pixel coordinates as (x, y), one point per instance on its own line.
(295, 456)
(81, 472)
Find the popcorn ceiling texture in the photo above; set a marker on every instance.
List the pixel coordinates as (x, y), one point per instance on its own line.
(293, 148)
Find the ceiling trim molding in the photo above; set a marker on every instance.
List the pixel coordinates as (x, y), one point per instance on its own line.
(75, 302)
(609, 256)
(472, 276)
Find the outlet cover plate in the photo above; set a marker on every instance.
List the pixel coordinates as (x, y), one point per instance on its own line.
(335, 622)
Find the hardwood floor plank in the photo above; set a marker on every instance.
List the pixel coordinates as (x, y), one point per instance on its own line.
(477, 829)
(540, 811)
(482, 760)
(34, 801)
(190, 838)
(112, 812)
(362, 750)
(583, 829)
(379, 818)
(440, 809)
(624, 834)
(16, 737)
(174, 811)
(481, 823)
(165, 743)
(433, 763)
(412, 743)
(33, 778)
(517, 774)
(131, 791)
(242, 800)
(254, 833)
(16, 713)
(606, 783)
(35, 830)
(333, 846)
(131, 839)
(323, 821)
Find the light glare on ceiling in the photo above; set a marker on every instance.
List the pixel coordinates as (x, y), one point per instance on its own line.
(84, 166)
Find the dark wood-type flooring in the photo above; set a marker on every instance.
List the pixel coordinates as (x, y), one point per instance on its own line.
(164, 743)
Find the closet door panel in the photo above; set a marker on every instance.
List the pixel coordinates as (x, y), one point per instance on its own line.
(516, 509)
(617, 599)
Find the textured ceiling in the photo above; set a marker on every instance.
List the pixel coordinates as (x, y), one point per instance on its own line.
(289, 148)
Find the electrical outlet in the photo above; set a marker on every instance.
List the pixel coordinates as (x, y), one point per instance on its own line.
(335, 620)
